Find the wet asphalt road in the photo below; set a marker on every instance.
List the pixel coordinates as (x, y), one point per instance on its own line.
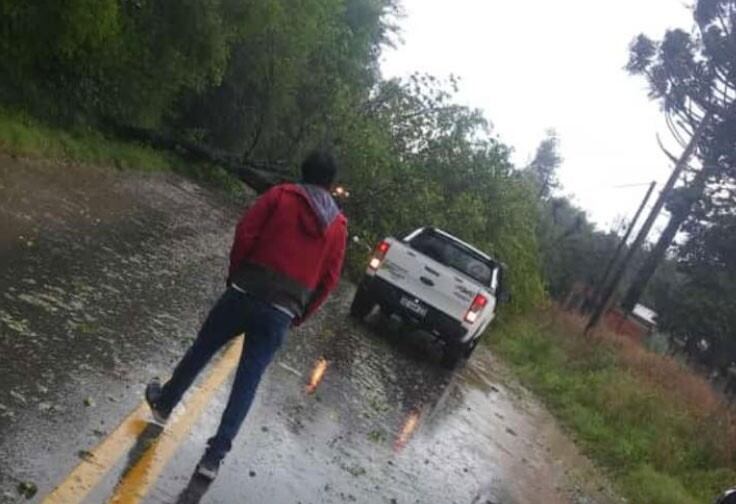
(105, 277)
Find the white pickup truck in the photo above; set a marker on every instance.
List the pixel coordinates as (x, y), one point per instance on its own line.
(436, 282)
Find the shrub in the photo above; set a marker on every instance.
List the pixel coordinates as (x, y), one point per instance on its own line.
(662, 432)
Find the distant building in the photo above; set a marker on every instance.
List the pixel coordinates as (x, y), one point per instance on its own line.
(640, 323)
(645, 316)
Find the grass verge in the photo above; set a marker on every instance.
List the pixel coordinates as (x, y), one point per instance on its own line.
(21, 135)
(660, 431)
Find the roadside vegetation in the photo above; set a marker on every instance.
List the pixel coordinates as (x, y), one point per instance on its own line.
(23, 136)
(661, 432)
(663, 427)
(249, 80)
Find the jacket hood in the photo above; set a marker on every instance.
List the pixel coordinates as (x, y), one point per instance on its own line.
(323, 206)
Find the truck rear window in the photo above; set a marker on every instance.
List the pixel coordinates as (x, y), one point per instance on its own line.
(453, 255)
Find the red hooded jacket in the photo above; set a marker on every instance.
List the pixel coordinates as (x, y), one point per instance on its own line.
(289, 248)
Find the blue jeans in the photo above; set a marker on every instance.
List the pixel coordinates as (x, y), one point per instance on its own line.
(235, 313)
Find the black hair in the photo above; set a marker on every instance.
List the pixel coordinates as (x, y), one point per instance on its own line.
(319, 168)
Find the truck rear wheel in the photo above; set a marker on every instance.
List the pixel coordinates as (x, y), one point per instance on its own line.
(363, 303)
(468, 349)
(452, 355)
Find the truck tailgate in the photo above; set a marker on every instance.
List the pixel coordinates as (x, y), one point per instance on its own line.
(429, 281)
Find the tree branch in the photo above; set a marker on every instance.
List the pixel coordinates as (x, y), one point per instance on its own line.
(667, 153)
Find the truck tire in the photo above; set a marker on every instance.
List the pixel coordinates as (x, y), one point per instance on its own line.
(468, 349)
(452, 355)
(363, 303)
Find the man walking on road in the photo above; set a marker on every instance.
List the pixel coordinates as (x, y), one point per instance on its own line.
(286, 258)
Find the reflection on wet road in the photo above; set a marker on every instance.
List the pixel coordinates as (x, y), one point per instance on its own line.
(315, 378)
(122, 268)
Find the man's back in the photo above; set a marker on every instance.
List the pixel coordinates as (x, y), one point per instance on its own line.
(289, 247)
(300, 234)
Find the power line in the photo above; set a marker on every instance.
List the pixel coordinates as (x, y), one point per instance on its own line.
(625, 186)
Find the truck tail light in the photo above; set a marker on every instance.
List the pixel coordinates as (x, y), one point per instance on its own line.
(379, 255)
(476, 307)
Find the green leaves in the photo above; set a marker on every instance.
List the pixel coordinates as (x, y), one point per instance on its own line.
(85, 26)
(414, 158)
(269, 80)
(544, 166)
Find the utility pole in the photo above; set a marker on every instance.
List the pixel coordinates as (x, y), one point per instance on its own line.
(621, 245)
(657, 254)
(607, 291)
(677, 217)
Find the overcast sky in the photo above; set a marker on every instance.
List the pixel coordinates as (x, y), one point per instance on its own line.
(539, 64)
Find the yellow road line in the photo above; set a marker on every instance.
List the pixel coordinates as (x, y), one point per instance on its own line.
(138, 480)
(105, 455)
(102, 458)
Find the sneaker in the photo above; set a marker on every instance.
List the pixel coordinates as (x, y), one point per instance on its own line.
(153, 396)
(208, 466)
